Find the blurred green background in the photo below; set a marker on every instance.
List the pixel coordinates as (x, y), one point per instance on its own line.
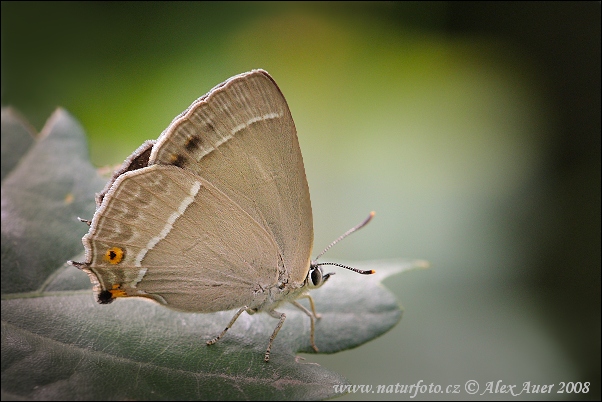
(472, 129)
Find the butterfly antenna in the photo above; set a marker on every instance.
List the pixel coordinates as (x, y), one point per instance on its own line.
(347, 233)
(359, 271)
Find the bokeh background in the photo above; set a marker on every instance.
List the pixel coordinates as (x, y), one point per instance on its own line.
(472, 129)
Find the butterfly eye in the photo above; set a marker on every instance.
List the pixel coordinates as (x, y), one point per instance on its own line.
(316, 276)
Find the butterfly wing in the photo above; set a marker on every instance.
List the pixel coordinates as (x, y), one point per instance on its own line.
(241, 138)
(167, 234)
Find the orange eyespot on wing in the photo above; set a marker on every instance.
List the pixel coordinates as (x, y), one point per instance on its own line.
(114, 255)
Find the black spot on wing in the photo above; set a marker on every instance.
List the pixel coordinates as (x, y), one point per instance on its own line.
(193, 143)
(105, 297)
(178, 160)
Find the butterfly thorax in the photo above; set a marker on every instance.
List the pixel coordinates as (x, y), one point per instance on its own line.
(278, 295)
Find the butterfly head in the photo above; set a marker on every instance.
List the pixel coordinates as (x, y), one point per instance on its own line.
(316, 277)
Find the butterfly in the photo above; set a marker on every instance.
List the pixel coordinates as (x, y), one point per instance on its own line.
(215, 214)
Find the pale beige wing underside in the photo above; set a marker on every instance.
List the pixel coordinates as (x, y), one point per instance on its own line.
(186, 244)
(242, 139)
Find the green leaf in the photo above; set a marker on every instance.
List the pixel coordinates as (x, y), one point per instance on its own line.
(58, 343)
(17, 137)
(50, 186)
(65, 346)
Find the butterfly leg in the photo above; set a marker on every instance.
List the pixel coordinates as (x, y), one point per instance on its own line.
(312, 316)
(281, 317)
(311, 304)
(217, 338)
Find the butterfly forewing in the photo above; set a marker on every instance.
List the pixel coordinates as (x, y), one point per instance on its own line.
(241, 138)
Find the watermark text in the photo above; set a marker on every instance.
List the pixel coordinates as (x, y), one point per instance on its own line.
(470, 387)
